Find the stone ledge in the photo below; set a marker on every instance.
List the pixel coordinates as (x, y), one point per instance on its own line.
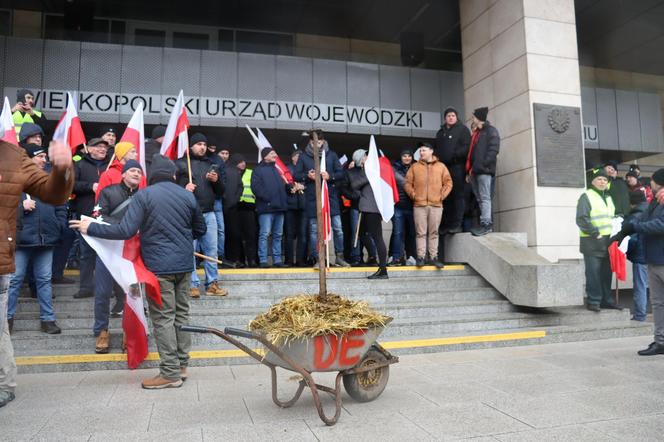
(518, 272)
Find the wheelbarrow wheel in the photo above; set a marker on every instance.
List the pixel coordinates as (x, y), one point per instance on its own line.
(368, 385)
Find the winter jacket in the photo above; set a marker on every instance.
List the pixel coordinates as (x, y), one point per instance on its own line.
(151, 149)
(206, 191)
(590, 245)
(651, 227)
(169, 219)
(109, 199)
(360, 183)
(647, 191)
(484, 154)
(295, 200)
(42, 226)
(88, 172)
(619, 191)
(428, 184)
(19, 174)
(400, 171)
(452, 144)
(234, 187)
(334, 169)
(113, 175)
(269, 189)
(636, 250)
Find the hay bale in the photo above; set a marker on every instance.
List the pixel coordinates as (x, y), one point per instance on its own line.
(306, 316)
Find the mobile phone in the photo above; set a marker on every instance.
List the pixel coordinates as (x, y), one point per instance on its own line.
(214, 169)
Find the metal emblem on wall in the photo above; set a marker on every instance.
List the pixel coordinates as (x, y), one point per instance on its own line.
(558, 146)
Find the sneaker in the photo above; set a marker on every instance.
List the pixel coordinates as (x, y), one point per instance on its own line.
(214, 290)
(281, 265)
(158, 383)
(6, 397)
(419, 262)
(454, 230)
(264, 265)
(195, 292)
(117, 310)
(439, 265)
(395, 263)
(62, 280)
(340, 261)
(102, 342)
(411, 261)
(50, 327)
(372, 261)
(380, 274)
(482, 230)
(593, 307)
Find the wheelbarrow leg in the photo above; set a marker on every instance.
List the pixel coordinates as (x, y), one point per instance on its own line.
(314, 387)
(276, 400)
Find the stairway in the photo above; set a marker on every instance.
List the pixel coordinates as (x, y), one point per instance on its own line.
(433, 310)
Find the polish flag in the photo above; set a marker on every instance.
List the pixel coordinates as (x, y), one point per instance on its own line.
(176, 139)
(135, 134)
(261, 142)
(618, 258)
(69, 130)
(381, 178)
(123, 261)
(325, 203)
(7, 129)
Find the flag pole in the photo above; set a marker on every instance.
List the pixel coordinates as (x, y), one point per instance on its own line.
(111, 161)
(327, 255)
(189, 166)
(208, 258)
(357, 229)
(322, 282)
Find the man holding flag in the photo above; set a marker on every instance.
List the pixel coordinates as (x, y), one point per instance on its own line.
(169, 220)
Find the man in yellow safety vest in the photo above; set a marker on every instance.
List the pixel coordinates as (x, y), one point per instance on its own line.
(594, 215)
(24, 111)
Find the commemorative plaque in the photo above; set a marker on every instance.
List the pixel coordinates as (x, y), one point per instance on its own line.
(558, 146)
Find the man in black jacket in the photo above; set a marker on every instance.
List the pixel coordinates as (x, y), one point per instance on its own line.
(169, 220)
(295, 223)
(271, 192)
(232, 195)
(481, 166)
(403, 223)
(206, 186)
(88, 171)
(111, 207)
(452, 142)
(618, 189)
(153, 146)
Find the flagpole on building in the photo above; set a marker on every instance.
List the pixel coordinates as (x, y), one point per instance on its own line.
(322, 282)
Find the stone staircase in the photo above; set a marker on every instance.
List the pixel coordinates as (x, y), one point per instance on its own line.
(433, 310)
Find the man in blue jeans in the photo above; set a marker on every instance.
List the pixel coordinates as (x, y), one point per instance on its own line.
(403, 223)
(207, 187)
(40, 229)
(271, 192)
(481, 166)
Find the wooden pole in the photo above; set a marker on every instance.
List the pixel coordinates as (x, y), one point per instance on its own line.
(110, 162)
(189, 166)
(322, 282)
(208, 258)
(357, 230)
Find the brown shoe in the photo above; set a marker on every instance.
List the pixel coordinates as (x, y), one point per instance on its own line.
(158, 382)
(215, 290)
(195, 292)
(101, 345)
(183, 374)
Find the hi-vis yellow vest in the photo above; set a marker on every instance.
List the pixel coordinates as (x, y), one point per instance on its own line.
(601, 213)
(247, 194)
(19, 120)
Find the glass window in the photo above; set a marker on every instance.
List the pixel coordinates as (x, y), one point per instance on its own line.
(54, 27)
(186, 40)
(264, 43)
(118, 29)
(226, 37)
(5, 22)
(149, 37)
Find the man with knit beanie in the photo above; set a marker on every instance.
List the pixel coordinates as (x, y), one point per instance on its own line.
(206, 185)
(24, 112)
(651, 227)
(111, 206)
(481, 166)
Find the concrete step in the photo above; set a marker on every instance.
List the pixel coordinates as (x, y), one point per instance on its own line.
(84, 318)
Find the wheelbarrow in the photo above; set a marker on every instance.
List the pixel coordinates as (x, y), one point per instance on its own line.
(362, 364)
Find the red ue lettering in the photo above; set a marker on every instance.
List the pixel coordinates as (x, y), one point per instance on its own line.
(320, 343)
(352, 340)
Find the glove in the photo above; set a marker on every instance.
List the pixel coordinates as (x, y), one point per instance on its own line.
(617, 237)
(627, 228)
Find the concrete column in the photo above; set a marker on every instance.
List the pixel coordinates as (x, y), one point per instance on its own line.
(516, 53)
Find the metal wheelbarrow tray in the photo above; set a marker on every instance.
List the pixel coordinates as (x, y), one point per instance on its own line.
(360, 361)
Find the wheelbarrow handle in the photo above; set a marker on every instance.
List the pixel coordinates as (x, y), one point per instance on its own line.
(194, 329)
(239, 332)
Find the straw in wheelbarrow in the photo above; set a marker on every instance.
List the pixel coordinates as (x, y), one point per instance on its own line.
(305, 316)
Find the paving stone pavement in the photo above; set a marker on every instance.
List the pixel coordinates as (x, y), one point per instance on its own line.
(580, 391)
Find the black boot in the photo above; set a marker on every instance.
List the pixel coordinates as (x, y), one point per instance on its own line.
(50, 327)
(380, 274)
(10, 323)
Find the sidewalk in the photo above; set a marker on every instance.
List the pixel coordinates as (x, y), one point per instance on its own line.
(581, 391)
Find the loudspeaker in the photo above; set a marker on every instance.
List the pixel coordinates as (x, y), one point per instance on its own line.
(412, 48)
(79, 15)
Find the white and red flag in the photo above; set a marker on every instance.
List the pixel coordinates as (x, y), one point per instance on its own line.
(381, 178)
(69, 130)
(123, 261)
(7, 129)
(261, 142)
(135, 134)
(176, 139)
(325, 202)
